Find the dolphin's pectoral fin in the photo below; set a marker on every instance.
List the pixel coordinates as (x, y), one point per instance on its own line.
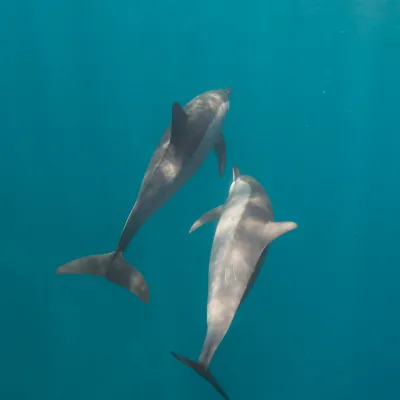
(209, 216)
(275, 229)
(220, 150)
(178, 124)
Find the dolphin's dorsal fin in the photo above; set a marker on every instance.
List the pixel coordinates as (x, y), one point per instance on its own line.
(235, 172)
(209, 216)
(220, 151)
(178, 124)
(275, 229)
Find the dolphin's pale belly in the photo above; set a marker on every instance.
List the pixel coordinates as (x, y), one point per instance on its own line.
(229, 268)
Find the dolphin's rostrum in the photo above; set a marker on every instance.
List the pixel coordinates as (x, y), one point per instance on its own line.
(245, 229)
(194, 131)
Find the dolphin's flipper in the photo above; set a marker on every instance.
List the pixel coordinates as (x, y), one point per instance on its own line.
(114, 268)
(275, 229)
(202, 371)
(220, 150)
(178, 124)
(209, 216)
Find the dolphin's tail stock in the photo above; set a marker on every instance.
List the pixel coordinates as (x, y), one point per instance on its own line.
(114, 268)
(202, 371)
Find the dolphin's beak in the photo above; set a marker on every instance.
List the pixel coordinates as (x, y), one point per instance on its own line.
(228, 91)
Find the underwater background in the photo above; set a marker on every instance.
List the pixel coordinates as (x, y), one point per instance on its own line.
(86, 89)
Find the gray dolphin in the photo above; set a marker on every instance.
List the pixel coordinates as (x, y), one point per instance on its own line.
(194, 131)
(245, 229)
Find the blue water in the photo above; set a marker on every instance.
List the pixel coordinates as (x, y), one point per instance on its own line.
(86, 89)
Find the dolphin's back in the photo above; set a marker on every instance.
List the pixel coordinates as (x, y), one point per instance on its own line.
(167, 164)
(236, 250)
(201, 114)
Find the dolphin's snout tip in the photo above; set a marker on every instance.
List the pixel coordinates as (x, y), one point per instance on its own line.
(228, 91)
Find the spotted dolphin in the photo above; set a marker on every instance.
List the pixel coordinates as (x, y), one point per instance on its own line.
(194, 131)
(245, 229)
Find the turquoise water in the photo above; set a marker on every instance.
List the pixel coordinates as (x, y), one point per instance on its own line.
(86, 90)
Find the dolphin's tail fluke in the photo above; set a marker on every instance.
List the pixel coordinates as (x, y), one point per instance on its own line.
(114, 268)
(202, 371)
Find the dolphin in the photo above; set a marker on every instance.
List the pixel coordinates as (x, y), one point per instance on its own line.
(244, 232)
(194, 131)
